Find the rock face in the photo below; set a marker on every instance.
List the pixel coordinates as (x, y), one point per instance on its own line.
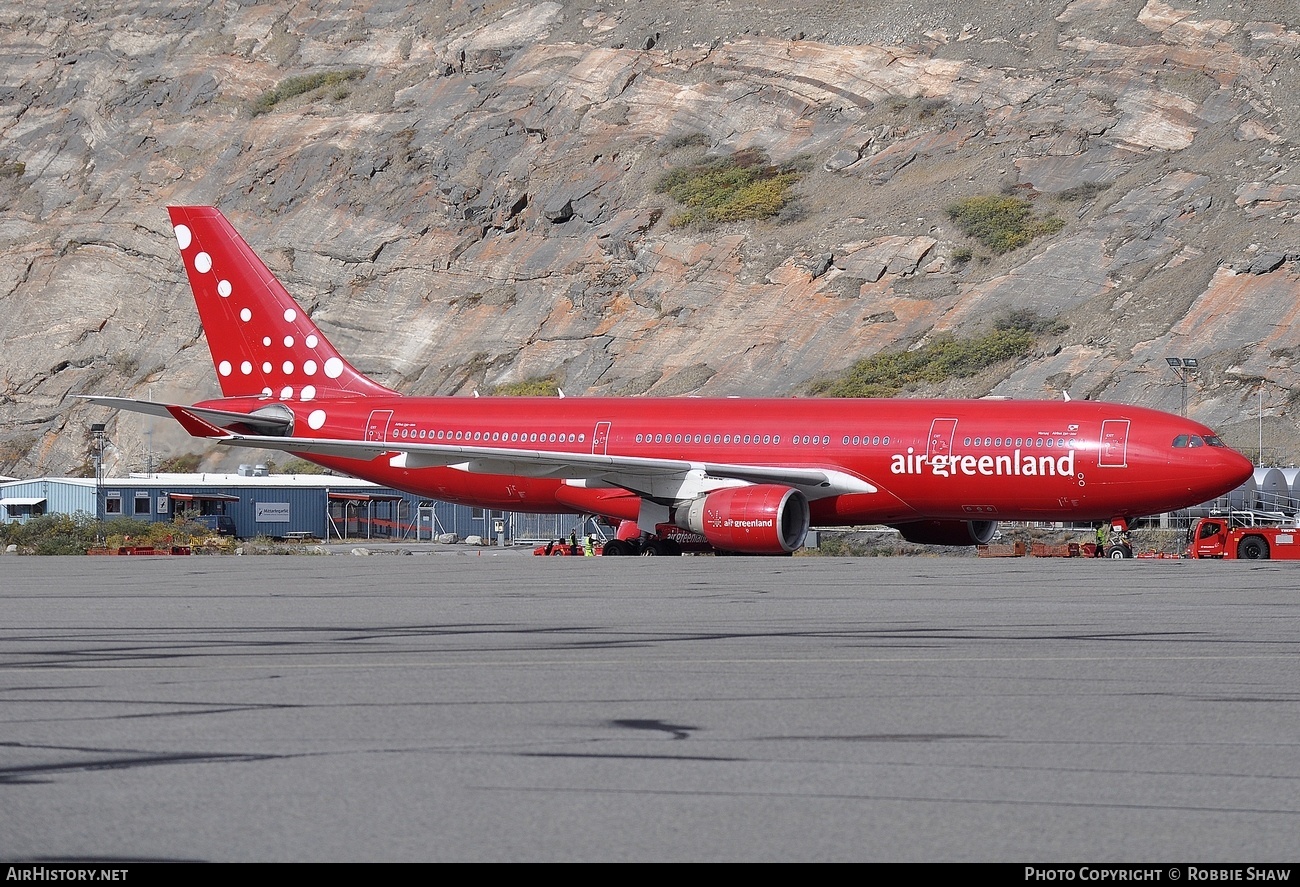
(477, 205)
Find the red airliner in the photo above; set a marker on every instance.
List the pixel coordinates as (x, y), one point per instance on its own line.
(751, 476)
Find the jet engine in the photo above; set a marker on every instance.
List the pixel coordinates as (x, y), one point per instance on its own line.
(949, 532)
(755, 519)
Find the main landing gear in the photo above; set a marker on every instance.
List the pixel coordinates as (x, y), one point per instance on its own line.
(649, 546)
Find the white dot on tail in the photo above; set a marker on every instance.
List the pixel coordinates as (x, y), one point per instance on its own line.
(289, 315)
(224, 368)
(316, 419)
(333, 367)
(245, 315)
(309, 392)
(223, 289)
(286, 393)
(288, 341)
(288, 368)
(309, 367)
(266, 366)
(246, 368)
(266, 340)
(311, 341)
(183, 236)
(266, 392)
(203, 263)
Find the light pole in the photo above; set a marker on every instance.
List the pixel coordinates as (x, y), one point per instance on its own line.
(1261, 423)
(1184, 368)
(1262, 383)
(97, 432)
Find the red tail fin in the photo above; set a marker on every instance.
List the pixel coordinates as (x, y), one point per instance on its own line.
(262, 342)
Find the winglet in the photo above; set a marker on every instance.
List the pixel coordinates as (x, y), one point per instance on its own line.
(195, 426)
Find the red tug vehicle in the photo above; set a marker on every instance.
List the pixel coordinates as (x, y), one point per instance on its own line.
(1224, 536)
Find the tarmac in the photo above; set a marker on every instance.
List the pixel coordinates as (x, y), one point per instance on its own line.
(501, 707)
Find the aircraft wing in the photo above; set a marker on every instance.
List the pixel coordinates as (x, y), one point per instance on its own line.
(655, 478)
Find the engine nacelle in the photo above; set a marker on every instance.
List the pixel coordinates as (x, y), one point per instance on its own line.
(756, 519)
(949, 532)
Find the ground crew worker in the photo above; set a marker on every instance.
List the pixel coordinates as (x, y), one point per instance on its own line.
(1101, 541)
(589, 547)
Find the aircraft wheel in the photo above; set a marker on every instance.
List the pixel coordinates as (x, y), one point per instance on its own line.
(661, 548)
(1120, 552)
(1253, 548)
(618, 548)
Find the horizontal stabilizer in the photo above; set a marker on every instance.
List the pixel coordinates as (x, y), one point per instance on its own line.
(195, 425)
(223, 419)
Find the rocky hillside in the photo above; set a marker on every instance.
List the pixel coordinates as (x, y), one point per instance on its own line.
(469, 201)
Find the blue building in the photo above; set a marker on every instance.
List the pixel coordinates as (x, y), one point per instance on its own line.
(279, 506)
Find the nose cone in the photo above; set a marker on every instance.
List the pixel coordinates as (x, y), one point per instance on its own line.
(1238, 469)
(1224, 472)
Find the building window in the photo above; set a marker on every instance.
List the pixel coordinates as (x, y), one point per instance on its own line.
(143, 503)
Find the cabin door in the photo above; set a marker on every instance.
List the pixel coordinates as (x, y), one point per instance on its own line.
(600, 438)
(941, 434)
(377, 427)
(1114, 444)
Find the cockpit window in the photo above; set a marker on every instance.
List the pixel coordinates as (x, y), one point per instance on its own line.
(1196, 441)
(1180, 440)
(1214, 441)
(1208, 530)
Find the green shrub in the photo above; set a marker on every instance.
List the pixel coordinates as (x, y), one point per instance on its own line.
(185, 463)
(1085, 191)
(728, 189)
(1001, 223)
(944, 357)
(537, 386)
(296, 86)
(53, 534)
(1030, 321)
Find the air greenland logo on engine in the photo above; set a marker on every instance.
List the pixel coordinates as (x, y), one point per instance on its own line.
(1013, 464)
